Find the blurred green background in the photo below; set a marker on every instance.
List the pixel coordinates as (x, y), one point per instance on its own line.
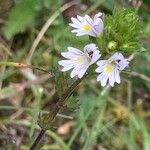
(93, 118)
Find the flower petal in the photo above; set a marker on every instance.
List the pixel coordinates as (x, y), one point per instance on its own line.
(98, 15)
(104, 80)
(82, 71)
(81, 19)
(75, 51)
(111, 79)
(88, 19)
(116, 75)
(102, 63)
(75, 21)
(68, 67)
(65, 62)
(95, 56)
(74, 25)
(74, 72)
(98, 26)
(68, 55)
(120, 60)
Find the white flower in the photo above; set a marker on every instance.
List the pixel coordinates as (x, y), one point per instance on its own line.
(109, 69)
(79, 61)
(88, 26)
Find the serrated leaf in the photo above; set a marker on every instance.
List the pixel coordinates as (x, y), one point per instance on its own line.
(61, 81)
(72, 103)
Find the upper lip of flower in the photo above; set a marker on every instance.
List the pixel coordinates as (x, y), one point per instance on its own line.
(90, 54)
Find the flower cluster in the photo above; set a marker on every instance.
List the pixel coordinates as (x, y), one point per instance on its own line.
(79, 61)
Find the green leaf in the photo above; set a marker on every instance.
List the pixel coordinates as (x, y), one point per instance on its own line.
(72, 103)
(20, 16)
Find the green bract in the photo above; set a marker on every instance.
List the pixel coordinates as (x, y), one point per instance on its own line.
(123, 28)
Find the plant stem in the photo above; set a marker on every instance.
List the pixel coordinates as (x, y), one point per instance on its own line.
(37, 140)
(64, 96)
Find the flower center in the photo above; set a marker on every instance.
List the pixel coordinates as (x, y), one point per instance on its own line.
(109, 68)
(87, 27)
(79, 60)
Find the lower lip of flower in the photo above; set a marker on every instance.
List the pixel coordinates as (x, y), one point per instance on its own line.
(87, 27)
(109, 68)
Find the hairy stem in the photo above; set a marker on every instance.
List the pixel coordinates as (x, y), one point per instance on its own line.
(37, 140)
(64, 96)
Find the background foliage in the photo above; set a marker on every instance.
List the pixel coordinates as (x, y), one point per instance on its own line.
(93, 118)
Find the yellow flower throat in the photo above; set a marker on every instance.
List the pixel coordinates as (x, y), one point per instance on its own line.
(109, 68)
(80, 60)
(87, 27)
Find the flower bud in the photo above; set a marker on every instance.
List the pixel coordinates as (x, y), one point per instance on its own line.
(112, 45)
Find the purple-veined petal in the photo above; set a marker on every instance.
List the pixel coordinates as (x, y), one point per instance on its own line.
(100, 69)
(65, 62)
(121, 62)
(116, 75)
(82, 71)
(104, 80)
(111, 79)
(75, 51)
(74, 25)
(75, 30)
(75, 21)
(68, 55)
(103, 74)
(88, 19)
(91, 33)
(98, 27)
(68, 67)
(81, 19)
(101, 63)
(81, 33)
(98, 15)
(95, 57)
(90, 47)
(74, 72)
(91, 51)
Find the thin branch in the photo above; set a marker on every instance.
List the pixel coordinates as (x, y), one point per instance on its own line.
(22, 66)
(136, 74)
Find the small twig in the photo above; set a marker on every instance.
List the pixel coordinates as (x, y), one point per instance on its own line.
(131, 57)
(6, 49)
(22, 66)
(136, 74)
